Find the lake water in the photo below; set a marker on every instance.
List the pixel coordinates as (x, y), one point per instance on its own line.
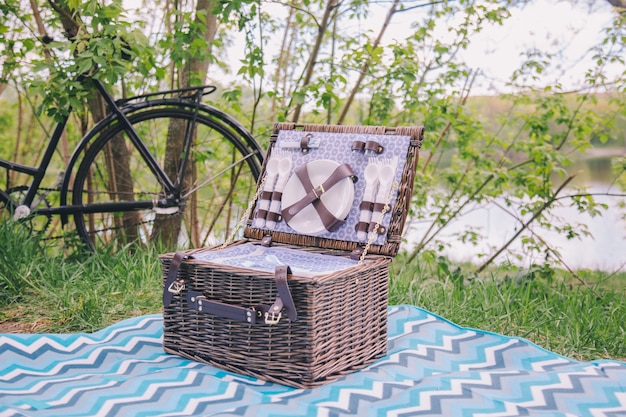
(605, 250)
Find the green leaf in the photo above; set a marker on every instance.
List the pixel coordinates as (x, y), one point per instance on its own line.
(299, 98)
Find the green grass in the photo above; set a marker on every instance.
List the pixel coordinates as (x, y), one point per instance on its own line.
(45, 288)
(77, 292)
(582, 320)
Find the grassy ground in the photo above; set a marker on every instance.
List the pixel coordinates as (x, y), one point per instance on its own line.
(583, 318)
(45, 290)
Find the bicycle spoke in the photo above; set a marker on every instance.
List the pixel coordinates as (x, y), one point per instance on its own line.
(221, 174)
(206, 182)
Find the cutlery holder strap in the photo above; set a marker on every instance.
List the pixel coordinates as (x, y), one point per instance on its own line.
(369, 145)
(198, 302)
(313, 195)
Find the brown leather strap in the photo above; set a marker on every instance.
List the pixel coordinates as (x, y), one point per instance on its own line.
(273, 216)
(284, 295)
(378, 206)
(198, 302)
(366, 205)
(358, 145)
(374, 146)
(329, 221)
(171, 286)
(361, 226)
(261, 214)
(378, 209)
(305, 142)
(370, 145)
(381, 229)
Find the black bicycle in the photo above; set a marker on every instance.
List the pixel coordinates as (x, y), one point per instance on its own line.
(119, 188)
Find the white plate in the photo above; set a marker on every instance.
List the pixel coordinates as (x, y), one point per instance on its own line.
(338, 200)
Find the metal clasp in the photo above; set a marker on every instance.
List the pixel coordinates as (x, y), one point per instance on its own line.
(274, 319)
(319, 190)
(176, 287)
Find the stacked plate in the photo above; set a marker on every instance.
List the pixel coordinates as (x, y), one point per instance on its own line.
(338, 199)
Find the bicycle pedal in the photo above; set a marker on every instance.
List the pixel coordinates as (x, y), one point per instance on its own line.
(21, 212)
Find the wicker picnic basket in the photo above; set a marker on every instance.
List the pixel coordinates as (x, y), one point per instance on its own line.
(321, 312)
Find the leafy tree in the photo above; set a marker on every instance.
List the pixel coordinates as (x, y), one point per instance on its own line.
(329, 66)
(103, 44)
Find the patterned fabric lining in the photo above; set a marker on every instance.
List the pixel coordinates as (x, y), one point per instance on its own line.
(261, 258)
(337, 147)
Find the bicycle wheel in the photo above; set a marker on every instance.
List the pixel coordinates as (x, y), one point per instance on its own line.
(209, 200)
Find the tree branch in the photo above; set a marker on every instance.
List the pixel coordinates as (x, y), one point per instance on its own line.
(525, 225)
(620, 4)
(366, 65)
(470, 198)
(548, 247)
(314, 53)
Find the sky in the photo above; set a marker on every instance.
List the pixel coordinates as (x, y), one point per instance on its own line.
(565, 27)
(555, 26)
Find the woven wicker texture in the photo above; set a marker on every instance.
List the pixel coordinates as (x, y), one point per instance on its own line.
(399, 211)
(341, 323)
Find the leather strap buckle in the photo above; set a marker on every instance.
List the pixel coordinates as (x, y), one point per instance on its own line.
(318, 191)
(176, 287)
(272, 318)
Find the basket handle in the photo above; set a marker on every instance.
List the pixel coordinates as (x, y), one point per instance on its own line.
(198, 302)
(253, 315)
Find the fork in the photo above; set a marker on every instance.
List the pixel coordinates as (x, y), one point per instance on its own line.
(271, 171)
(371, 182)
(386, 173)
(284, 168)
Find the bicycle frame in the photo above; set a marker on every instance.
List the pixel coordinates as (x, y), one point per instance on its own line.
(38, 172)
(117, 111)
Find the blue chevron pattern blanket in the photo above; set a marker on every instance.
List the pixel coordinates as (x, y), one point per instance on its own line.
(433, 368)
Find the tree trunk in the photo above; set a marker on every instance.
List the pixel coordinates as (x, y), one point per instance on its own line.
(167, 228)
(310, 65)
(120, 184)
(283, 59)
(366, 64)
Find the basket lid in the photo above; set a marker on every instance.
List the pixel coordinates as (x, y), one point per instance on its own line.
(336, 186)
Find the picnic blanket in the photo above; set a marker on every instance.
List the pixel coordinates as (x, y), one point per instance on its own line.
(433, 368)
